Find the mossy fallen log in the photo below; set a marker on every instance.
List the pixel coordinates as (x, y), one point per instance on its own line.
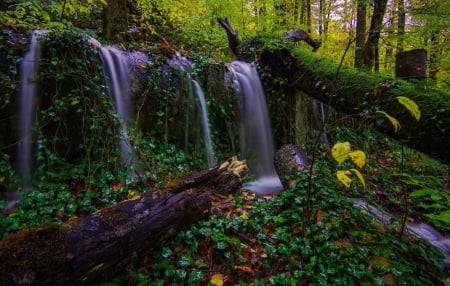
(357, 93)
(94, 248)
(362, 95)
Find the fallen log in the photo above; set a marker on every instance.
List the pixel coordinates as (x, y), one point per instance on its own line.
(361, 95)
(356, 93)
(94, 248)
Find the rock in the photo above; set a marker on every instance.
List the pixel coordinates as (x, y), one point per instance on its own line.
(289, 159)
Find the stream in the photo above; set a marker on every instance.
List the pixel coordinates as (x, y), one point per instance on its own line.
(418, 229)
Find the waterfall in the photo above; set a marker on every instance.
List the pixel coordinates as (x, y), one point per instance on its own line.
(256, 139)
(29, 69)
(182, 63)
(205, 122)
(117, 76)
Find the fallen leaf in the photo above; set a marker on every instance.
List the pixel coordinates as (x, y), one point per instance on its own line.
(389, 279)
(381, 260)
(319, 216)
(244, 268)
(217, 279)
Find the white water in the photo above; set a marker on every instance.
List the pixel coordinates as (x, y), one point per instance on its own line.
(29, 69)
(117, 75)
(182, 63)
(205, 122)
(256, 139)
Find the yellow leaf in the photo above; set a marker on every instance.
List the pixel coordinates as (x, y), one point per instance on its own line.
(360, 177)
(358, 157)
(410, 105)
(244, 215)
(393, 121)
(2, 179)
(343, 177)
(217, 279)
(340, 151)
(132, 195)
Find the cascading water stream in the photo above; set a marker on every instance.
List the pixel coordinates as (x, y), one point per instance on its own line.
(205, 121)
(29, 69)
(420, 229)
(183, 64)
(256, 139)
(117, 75)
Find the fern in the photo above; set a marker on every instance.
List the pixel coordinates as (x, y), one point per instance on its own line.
(410, 105)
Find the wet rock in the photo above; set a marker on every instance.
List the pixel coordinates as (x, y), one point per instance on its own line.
(137, 62)
(289, 159)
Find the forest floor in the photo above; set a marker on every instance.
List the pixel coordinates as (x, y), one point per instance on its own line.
(314, 234)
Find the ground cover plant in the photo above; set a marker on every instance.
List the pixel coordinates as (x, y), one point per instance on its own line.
(311, 234)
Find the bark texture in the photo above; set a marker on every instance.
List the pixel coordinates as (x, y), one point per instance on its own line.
(115, 19)
(91, 249)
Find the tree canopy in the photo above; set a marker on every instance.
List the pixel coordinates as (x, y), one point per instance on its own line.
(191, 25)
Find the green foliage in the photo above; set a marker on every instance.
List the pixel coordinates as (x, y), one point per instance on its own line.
(38, 14)
(339, 247)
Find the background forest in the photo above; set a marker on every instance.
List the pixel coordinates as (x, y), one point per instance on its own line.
(314, 232)
(393, 26)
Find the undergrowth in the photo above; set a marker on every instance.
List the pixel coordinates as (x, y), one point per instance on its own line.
(257, 241)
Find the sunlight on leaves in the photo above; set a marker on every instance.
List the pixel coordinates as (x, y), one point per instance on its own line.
(343, 177)
(217, 279)
(340, 151)
(358, 157)
(393, 121)
(410, 105)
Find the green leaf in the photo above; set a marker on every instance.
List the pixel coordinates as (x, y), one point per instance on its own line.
(443, 216)
(423, 193)
(410, 105)
(393, 120)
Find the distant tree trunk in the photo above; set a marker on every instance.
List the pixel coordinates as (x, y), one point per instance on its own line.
(361, 26)
(308, 15)
(401, 24)
(389, 47)
(115, 19)
(371, 52)
(434, 52)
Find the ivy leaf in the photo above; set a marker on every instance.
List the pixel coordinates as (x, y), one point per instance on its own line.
(340, 151)
(393, 121)
(343, 177)
(217, 279)
(360, 177)
(410, 105)
(358, 157)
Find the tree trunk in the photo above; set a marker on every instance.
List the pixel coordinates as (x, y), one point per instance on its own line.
(361, 12)
(92, 249)
(371, 46)
(115, 19)
(401, 24)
